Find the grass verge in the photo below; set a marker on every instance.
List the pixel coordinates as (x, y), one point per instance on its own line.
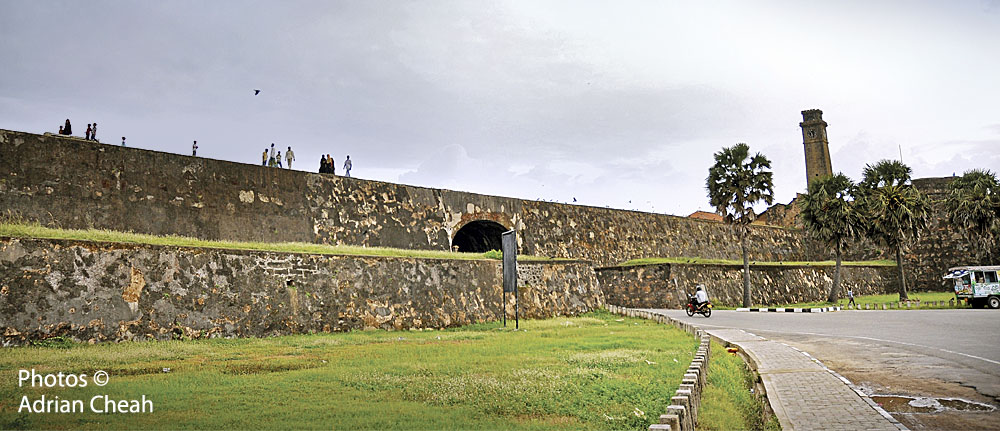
(703, 261)
(728, 402)
(35, 230)
(596, 371)
(923, 297)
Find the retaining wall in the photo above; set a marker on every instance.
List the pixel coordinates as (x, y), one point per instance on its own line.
(73, 183)
(111, 291)
(654, 286)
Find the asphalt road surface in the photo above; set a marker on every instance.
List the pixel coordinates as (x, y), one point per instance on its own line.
(929, 354)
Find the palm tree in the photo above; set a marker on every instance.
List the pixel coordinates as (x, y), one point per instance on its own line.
(735, 183)
(828, 214)
(973, 205)
(894, 212)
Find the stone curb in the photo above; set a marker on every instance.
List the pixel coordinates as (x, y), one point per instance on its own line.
(789, 310)
(682, 413)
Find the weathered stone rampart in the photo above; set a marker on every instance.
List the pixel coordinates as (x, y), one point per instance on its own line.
(73, 183)
(667, 285)
(113, 291)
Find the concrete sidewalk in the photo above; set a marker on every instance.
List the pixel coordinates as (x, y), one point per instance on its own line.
(804, 394)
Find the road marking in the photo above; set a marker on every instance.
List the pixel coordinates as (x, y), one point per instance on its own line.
(865, 338)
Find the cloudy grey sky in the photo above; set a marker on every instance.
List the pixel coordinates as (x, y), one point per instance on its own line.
(607, 102)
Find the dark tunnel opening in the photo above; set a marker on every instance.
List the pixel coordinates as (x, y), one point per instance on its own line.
(479, 236)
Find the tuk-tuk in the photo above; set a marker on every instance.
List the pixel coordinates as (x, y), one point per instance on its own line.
(979, 286)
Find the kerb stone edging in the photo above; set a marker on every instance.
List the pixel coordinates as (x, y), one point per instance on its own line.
(682, 413)
(789, 310)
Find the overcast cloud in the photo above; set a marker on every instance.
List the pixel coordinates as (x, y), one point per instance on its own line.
(605, 102)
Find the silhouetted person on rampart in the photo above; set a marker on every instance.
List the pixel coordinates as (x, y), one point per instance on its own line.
(289, 156)
(278, 159)
(123, 141)
(348, 165)
(93, 132)
(194, 149)
(263, 160)
(87, 136)
(67, 128)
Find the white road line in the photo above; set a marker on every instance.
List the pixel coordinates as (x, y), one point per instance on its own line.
(865, 338)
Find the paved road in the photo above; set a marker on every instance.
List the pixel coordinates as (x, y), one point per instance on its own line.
(929, 353)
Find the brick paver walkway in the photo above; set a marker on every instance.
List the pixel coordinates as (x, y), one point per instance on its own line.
(804, 394)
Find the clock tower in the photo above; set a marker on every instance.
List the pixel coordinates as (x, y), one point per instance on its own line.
(816, 145)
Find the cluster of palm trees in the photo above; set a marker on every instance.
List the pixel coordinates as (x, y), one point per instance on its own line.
(884, 208)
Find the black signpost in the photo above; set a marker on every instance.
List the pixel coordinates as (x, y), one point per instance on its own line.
(509, 241)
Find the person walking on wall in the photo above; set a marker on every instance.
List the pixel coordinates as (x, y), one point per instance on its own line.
(194, 149)
(67, 128)
(93, 133)
(850, 297)
(347, 166)
(289, 156)
(329, 164)
(123, 141)
(263, 161)
(278, 159)
(87, 136)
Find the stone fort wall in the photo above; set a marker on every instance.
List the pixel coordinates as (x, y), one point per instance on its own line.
(73, 183)
(667, 285)
(91, 291)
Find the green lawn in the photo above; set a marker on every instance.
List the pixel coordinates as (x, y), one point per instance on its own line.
(727, 402)
(924, 298)
(20, 229)
(597, 371)
(703, 261)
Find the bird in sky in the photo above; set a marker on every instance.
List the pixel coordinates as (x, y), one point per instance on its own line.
(256, 92)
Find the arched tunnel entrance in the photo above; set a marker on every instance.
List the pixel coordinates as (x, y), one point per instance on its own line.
(479, 236)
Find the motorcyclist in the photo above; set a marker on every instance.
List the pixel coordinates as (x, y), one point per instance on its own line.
(700, 296)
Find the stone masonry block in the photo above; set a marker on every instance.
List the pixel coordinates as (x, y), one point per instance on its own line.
(682, 416)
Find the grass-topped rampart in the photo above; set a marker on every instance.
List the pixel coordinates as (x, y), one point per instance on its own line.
(704, 261)
(18, 229)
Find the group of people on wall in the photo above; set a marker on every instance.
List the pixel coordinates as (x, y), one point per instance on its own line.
(271, 157)
(326, 165)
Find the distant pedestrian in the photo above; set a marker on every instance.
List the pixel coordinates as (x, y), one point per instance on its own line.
(272, 150)
(850, 296)
(329, 163)
(68, 128)
(194, 149)
(87, 136)
(278, 159)
(60, 130)
(289, 156)
(93, 133)
(263, 160)
(322, 164)
(123, 141)
(347, 166)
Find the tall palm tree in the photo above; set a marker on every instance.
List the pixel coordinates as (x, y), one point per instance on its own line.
(973, 205)
(735, 183)
(828, 214)
(895, 213)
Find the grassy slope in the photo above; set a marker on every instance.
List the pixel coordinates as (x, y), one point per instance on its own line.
(34, 230)
(588, 372)
(727, 403)
(703, 261)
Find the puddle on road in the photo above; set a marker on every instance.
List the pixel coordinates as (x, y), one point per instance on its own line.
(904, 404)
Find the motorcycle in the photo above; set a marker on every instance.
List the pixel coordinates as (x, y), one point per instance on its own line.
(692, 307)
